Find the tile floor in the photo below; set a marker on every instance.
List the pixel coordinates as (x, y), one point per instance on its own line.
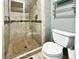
(36, 56)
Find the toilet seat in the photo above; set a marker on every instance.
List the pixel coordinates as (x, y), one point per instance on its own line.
(52, 49)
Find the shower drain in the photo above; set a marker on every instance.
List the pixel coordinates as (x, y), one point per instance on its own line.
(25, 47)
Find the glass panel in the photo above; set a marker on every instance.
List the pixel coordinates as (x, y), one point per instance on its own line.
(22, 31)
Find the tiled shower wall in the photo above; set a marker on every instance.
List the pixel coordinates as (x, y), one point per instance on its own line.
(19, 16)
(35, 10)
(19, 30)
(36, 27)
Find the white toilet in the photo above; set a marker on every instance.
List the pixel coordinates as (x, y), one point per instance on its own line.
(62, 39)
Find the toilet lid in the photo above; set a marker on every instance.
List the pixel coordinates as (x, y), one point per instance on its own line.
(52, 49)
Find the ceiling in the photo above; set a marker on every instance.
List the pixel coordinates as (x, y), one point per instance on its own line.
(28, 4)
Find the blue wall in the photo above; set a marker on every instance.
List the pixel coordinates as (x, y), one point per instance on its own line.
(48, 20)
(65, 24)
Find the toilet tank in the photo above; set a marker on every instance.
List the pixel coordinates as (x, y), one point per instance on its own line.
(65, 39)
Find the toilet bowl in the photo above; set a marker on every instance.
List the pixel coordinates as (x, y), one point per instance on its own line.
(62, 39)
(52, 50)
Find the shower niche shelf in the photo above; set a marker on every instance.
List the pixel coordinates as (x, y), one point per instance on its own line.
(16, 6)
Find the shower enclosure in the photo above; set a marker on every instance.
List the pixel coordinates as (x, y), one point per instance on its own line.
(22, 28)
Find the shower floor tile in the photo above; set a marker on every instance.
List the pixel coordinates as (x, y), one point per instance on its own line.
(31, 44)
(21, 46)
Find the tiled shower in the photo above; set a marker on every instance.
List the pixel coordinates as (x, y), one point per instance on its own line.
(22, 31)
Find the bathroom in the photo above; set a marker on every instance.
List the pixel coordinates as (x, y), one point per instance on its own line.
(29, 24)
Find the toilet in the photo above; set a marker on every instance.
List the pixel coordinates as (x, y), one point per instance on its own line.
(51, 50)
